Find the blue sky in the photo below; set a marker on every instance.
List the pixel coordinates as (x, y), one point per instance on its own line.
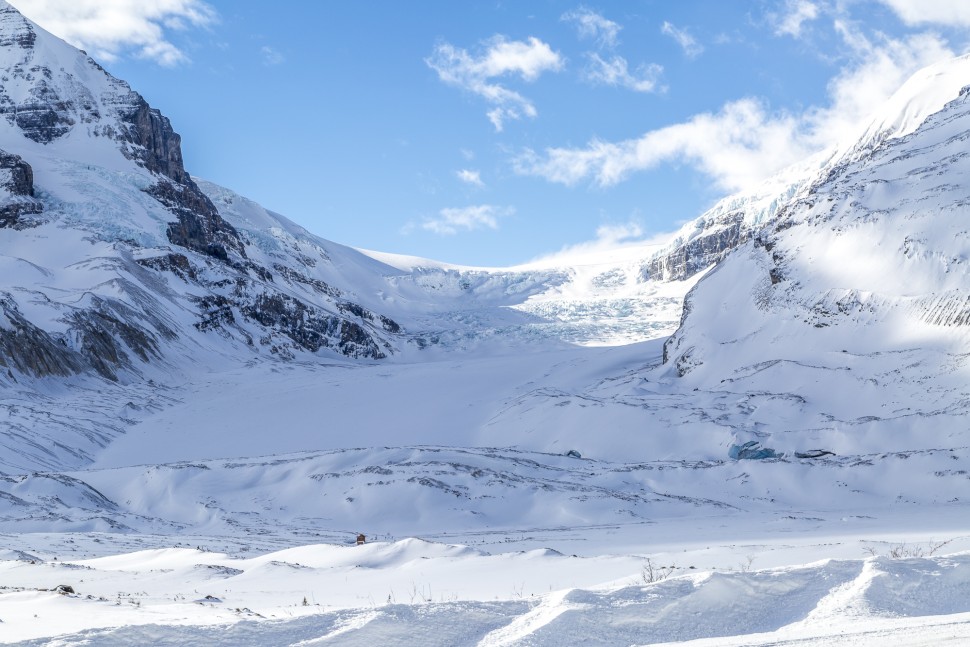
(491, 133)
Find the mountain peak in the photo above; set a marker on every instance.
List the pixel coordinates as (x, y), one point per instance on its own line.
(53, 93)
(15, 29)
(51, 89)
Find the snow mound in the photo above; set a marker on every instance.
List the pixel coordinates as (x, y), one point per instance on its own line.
(848, 602)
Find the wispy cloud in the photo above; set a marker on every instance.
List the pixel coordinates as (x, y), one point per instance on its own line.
(692, 49)
(499, 57)
(606, 67)
(745, 141)
(108, 30)
(615, 71)
(592, 25)
(921, 12)
(469, 176)
(450, 221)
(795, 14)
(271, 56)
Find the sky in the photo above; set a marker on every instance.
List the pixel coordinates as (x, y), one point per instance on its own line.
(492, 133)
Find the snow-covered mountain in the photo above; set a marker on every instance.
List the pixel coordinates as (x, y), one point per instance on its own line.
(849, 312)
(116, 259)
(180, 364)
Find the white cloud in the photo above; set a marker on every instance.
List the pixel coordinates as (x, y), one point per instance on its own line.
(618, 241)
(592, 25)
(527, 60)
(797, 13)
(692, 49)
(944, 12)
(745, 142)
(450, 221)
(615, 71)
(271, 56)
(106, 29)
(736, 146)
(469, 176)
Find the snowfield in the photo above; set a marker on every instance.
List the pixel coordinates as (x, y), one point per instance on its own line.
(753, 433)
(413, 592)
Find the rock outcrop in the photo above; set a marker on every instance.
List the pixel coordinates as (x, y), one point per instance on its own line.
(16, 190)
(700, 252)
(199, 226)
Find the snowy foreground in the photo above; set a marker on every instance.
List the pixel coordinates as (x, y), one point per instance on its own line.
(412, 592)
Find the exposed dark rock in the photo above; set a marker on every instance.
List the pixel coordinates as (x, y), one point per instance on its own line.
(686, 362)
(99, 338)
(215, 312)
(814, 453)
(293, 318)
(44, 117)
(320, 286)
(177, 264)
(18, 34)
(258, 270)
(55, 102)
(357, 342)
(50, 97)
(700, 252)
(17, 178)
(103, 336)
(27, 349)
(670, 346)
(151, 140)
(20, 179)
(354, 309)
(309, 328)
(359, 311)
(41, 114)
(390, 325)
(199, 226)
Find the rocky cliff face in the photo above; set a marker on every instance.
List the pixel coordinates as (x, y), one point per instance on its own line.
(16, 190)
(696, 254)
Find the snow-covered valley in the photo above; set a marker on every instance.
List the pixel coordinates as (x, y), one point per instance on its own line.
(754, 434)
